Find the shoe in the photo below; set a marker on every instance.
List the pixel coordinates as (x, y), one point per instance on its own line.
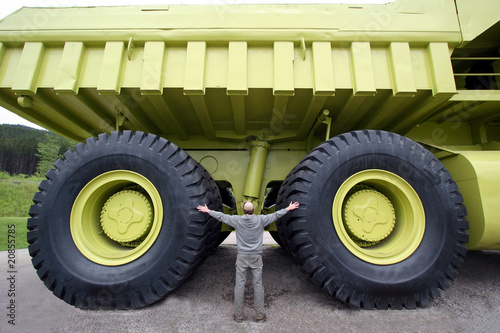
(261, 319)
(238, 319)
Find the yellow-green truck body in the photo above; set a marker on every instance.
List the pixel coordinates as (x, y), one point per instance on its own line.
(247, 91)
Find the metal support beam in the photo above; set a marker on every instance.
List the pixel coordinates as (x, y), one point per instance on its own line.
(70, 68)
(100, 117)
(403, 77)
(28, 71)
(324, 83)
(479, 132)
(170, 118)
(152, 71)
(256, 168)
(3, 49)
(458, 111)
(237, 83)
(120, 119)
(323, 118)
(346, 117)
(420, 111)
(194, 80)
(51, 109)
(381, 114)
(237, 69)
(279, 114)
(202, 112)
(283, 69)
(362, 69)
(441, 71)
(239, 114)
(315, 105)
(133, 112)
(111, 69)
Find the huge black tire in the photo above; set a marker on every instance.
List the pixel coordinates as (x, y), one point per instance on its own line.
(269, 201)
(95, 198)
(396, 191)
(229, 201)
(227, 198)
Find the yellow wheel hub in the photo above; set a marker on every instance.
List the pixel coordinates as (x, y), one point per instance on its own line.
(113, 225)
(378, 217)
(126, 216)
(369, 216)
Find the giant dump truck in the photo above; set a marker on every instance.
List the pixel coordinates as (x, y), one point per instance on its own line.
(383, 121)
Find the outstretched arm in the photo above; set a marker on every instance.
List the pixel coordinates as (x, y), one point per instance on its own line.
(293, 206)
(268, 219)
(203, 209)
(227, 219)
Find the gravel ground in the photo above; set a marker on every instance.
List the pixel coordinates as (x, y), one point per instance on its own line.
(293, 303)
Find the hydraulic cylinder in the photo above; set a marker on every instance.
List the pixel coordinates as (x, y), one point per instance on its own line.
(256, 168)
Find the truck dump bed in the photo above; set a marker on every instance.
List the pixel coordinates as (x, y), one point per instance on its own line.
(228, 72)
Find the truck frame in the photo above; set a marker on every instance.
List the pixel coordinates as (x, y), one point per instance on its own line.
(381, 120)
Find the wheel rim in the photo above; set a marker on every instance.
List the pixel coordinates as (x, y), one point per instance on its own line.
(378, 217)
(116, 218)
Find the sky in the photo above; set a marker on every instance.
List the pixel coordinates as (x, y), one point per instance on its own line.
(8, 7)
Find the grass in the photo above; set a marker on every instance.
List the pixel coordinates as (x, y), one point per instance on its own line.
(16, 224)
(16, 195)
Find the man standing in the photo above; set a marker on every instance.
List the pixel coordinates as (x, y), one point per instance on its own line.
(249, 233)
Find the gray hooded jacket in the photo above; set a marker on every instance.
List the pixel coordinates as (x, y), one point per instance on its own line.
(249, 228)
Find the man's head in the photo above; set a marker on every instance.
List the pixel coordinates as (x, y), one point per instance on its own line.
(248, 207)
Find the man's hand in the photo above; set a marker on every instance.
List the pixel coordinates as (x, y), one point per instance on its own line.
(203, 209)
(293, 206)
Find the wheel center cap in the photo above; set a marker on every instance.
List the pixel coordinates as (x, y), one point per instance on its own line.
(369, 215)
(126, 216)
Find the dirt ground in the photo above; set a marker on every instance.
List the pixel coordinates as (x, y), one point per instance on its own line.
(293, 303)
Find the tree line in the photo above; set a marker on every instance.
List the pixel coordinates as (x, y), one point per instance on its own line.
(29, 151)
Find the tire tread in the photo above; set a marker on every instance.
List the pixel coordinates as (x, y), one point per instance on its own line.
(293, 228)
(199, 242)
